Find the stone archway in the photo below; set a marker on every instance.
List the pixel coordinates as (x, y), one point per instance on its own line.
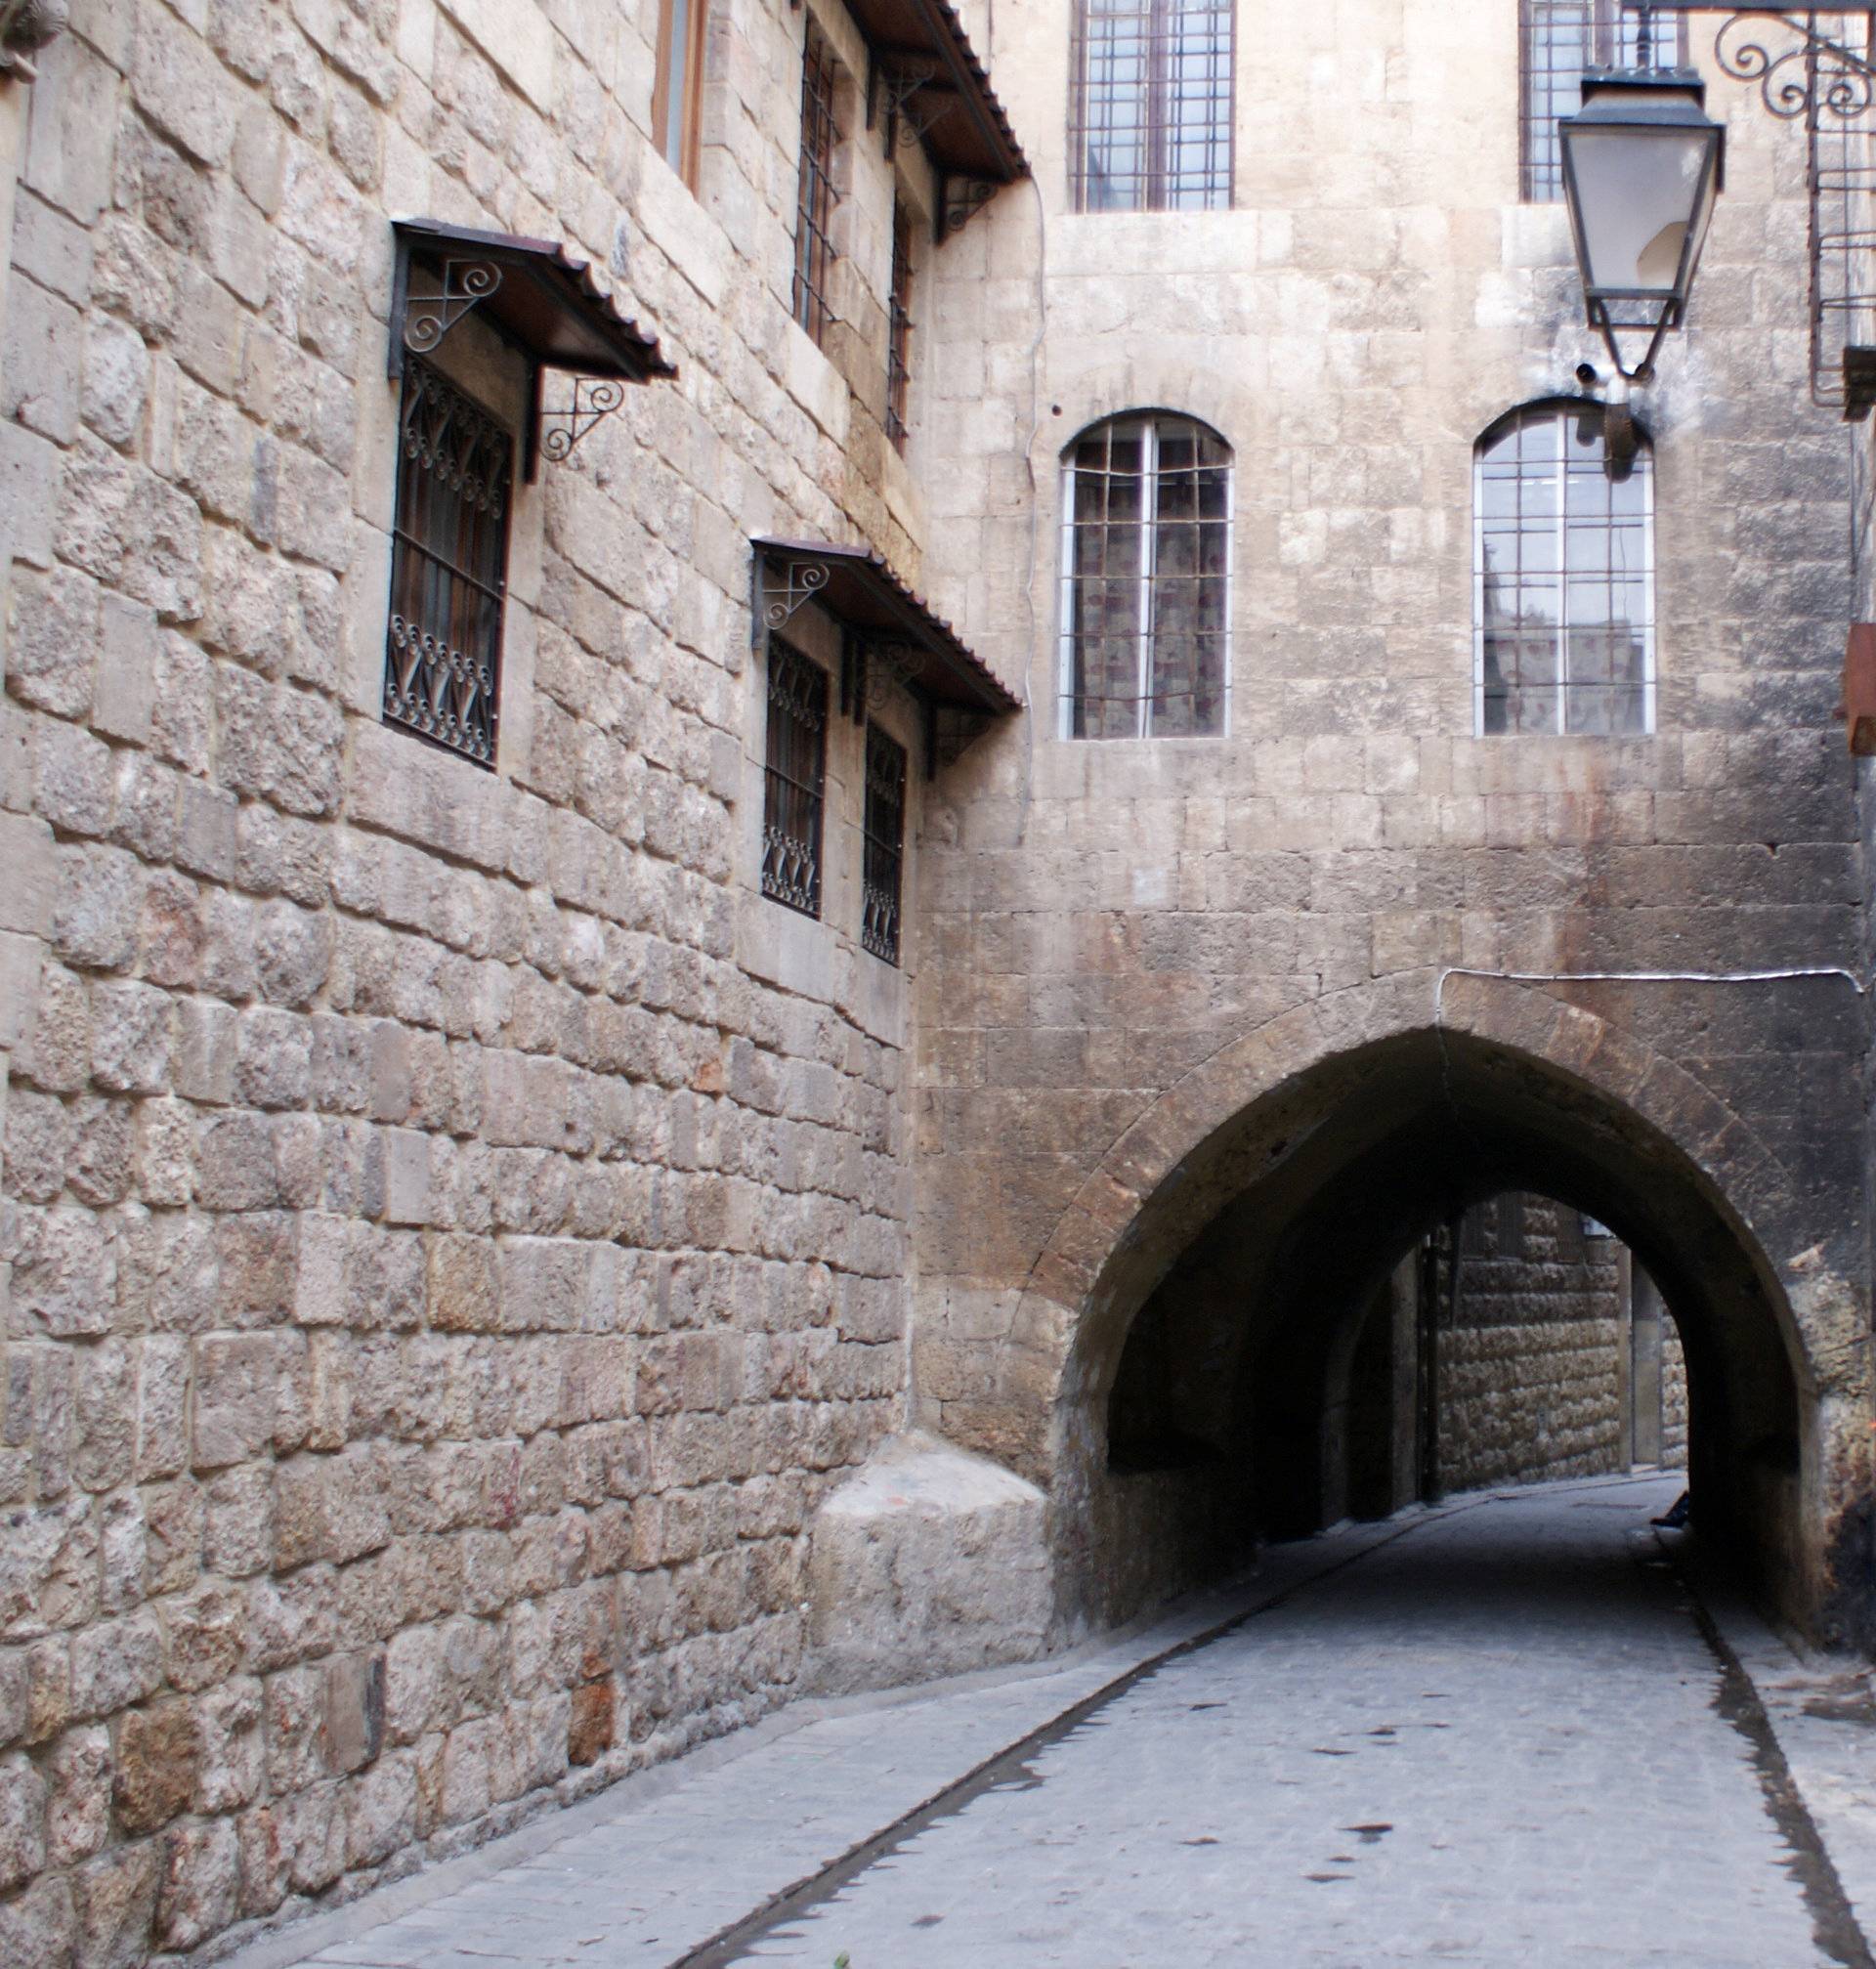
(1340, 1100)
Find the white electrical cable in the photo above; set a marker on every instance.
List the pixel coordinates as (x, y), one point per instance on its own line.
(1859, 985)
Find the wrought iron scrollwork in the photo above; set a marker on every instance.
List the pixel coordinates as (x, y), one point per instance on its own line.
(429, 317)
(896, 91)
(1800, 70)
(787, 584)
(563, 425)
(964, 198)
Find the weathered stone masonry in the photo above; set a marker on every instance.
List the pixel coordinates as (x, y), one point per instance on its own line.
(454, 1236)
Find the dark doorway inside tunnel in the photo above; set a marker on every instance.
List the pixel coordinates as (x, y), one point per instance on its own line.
(1430, 1265)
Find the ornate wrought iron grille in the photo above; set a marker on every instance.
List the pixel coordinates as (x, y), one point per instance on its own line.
(899, 325)
(1566, 578)
(1146, 576)
(794, 787)
(1151, 111)
(1558, 40)
(449, 567)
(885, 845)
(814, 198)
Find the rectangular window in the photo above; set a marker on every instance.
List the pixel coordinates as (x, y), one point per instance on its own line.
(814, 197)
(449, 567)
(1559, 39)
(899, 325)
(677, 95)
(1152, 105)
(794, 790)
(885, 844)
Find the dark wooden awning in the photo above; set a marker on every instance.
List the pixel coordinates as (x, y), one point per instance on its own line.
(537, 296)
(532, 292)
(857, 589)
(925, 80)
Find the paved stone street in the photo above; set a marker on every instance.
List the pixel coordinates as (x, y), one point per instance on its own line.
(1489, 1733)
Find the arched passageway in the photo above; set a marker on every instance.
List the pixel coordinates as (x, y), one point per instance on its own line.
(1217, 1330)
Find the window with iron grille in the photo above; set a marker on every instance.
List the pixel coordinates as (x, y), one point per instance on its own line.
(885, 845)
(1152, 105)
(1559, 39)
(794, 788)
(1146, 576)
(449, 567)
(814, 198)
(899, 325)
(1566, 580)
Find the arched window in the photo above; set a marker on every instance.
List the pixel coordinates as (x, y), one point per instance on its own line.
(1565, 576)
(1146, 576)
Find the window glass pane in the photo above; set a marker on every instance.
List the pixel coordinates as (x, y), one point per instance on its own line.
(1148, 555)
(1152, 104)
(1566, 588)
(1557, 42)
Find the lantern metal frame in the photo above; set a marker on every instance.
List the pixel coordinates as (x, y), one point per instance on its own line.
(1637, 99)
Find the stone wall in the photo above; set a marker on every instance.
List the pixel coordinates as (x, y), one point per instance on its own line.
(1533, 1384)
(1122, 930)
(454, 1235)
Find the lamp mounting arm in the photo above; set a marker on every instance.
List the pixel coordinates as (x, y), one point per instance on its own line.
(1800, 69)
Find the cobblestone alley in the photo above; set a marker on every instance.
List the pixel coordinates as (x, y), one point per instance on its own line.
(1494, 1733)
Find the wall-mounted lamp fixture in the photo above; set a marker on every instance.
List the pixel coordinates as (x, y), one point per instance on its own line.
(1642, 163)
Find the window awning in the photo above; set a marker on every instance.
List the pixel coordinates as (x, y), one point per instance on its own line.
(535, 295)
(857, 589)
(926, 83)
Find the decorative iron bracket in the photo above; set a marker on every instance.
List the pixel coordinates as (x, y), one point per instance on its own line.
(894, 84)
(1815, 75)
(559, 427)
(959, 200)
(420, 321)
(784, 585)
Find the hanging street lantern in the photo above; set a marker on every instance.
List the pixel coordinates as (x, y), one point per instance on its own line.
(1642, 163)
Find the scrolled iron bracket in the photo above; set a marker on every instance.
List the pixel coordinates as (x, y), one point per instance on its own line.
(961, 200)
(429, 317)
(1814, 76)
(785, 584)
(563, 425)
(895, 90)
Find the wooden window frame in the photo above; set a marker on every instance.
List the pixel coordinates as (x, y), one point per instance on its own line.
(685, 103)
(899, 326)
(815, 196)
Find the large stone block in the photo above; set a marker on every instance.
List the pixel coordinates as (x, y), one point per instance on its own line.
(928, 1560)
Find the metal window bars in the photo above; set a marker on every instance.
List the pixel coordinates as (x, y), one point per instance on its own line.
(449, 567)
(1147, 575)
(885, 846)
(899, 325)
(1565, 577)
(1558, 40)
(815, 199)
(795, 778)
(1839, 100)
(1152, 104)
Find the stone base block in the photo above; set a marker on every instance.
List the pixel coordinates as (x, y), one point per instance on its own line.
(927, 1561)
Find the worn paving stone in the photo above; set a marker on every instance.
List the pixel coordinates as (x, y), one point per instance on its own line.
(1505, 1685)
